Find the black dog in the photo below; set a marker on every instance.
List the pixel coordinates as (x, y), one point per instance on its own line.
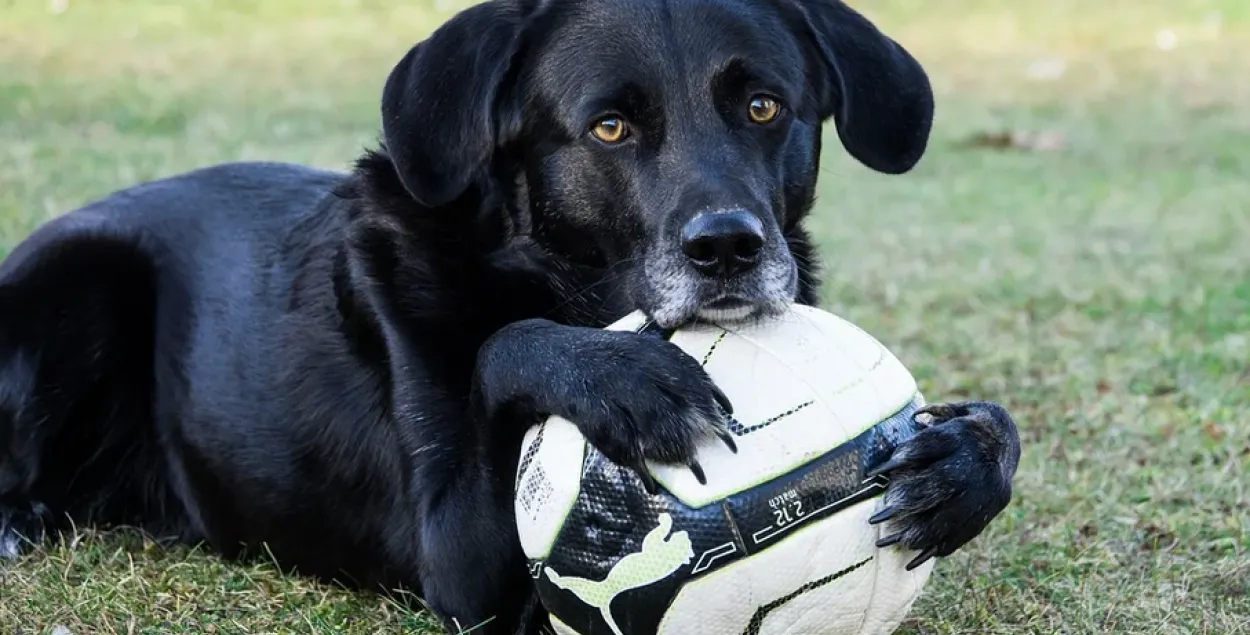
(340, 367)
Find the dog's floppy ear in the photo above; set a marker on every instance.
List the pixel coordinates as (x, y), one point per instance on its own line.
(439, 119)
(877, 93)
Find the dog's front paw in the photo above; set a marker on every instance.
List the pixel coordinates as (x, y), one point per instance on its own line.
(639, 398)
(950, 480)
(21, 525)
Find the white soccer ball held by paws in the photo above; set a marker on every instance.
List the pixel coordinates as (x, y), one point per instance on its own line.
(778, 540)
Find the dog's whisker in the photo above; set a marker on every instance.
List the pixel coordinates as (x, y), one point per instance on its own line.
(611, 276)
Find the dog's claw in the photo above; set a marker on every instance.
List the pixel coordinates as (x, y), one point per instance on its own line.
(922, 558)
(722, 399)
(698, 471)
(939, 413)
(889, 541)
(883, 515)
(728, 440)
(648, 481)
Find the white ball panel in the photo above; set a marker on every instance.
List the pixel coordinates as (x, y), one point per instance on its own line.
(816, 612)
(550, 485)
(861, 365)
(809, 340)
(764, 384)
(841, 379)
(896, 589)
(727, 599)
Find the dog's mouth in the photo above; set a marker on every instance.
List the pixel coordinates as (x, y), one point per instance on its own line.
(679, 300)
(674, 289)
(729, 308)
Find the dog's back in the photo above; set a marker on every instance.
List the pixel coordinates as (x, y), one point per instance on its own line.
(127, 310)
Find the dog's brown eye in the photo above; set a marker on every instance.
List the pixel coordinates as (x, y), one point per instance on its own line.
(609, 130)
(763, 109)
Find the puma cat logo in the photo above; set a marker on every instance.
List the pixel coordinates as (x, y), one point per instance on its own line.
(660, 557)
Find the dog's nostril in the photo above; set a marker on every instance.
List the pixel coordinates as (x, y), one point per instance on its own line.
(748, 246)
(701, 250)
(723, 243)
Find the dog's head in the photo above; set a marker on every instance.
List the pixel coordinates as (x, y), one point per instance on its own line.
(674, 143)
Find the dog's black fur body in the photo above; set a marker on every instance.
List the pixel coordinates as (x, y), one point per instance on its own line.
(339, 367)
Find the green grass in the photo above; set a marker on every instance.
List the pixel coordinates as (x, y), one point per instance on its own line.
(1101, 291)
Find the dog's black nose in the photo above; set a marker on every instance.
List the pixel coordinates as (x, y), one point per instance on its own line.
(723, 243)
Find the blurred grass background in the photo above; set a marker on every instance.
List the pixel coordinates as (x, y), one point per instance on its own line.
(1076, 245)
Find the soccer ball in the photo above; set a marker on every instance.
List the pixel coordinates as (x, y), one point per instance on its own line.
(777, 541)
